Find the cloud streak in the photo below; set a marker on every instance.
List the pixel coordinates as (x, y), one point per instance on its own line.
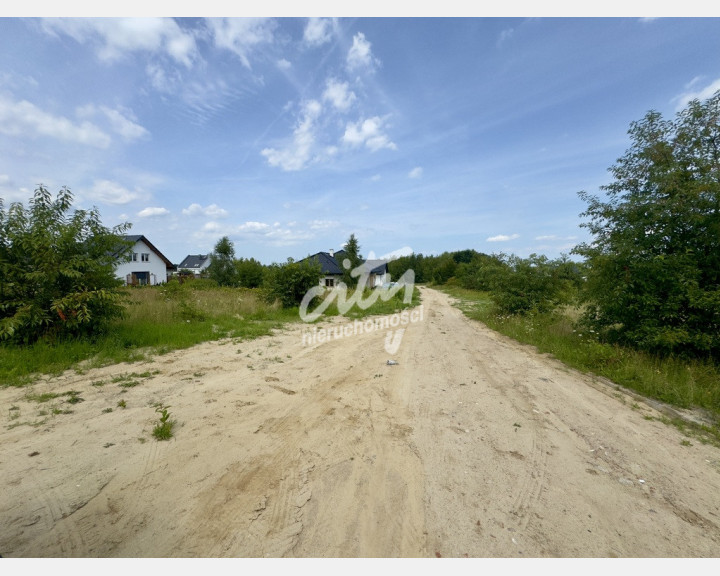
(502, 238)
(22, 117)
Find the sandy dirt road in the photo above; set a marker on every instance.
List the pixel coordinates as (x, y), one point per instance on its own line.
(472, 445)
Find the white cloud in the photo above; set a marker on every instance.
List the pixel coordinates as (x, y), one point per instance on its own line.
(297, 154)
(701, 94)
(505, 35)
(212, 211)
(404, 251)
(20, 118)
(360, 54)
(416, 172)
(274, 234)
(368, 132)
(284, 64)
(339, 94)
(123, 123)
(318, 31)
(502, 238)
(241, 35)
(111, 192)
(120, 36)
(554, 237)
(152, 211)
(324, 224)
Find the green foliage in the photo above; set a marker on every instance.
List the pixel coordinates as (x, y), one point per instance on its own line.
(444, 268)
(352, 255)
(222, 266)
(249, 272)
(534, 284)
(654, 261)
(414, 262)
(163, 429)
(58, 269)
(153, 324)
(288, 283)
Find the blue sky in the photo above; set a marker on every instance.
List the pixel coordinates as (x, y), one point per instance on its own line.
(289, 134)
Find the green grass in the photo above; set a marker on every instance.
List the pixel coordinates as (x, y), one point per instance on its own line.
(678, 382)
(160, 319)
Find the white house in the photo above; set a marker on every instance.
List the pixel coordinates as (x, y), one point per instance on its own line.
(195, 263)
(143, 264)
(332, 271)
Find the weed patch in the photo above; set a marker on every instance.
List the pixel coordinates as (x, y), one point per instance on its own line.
(163, 429)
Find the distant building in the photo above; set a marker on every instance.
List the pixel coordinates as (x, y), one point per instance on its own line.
(195, 263)
(143, 264)
(332, 269)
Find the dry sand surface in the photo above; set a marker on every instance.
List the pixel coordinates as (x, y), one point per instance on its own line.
(472, 445)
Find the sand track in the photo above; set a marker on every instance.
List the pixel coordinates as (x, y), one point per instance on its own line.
(472, 445)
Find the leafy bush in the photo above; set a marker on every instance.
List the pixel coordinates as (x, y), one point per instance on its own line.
(654, 261)
(250, 272)
(58, 269)
(288, 283)
(534, 284)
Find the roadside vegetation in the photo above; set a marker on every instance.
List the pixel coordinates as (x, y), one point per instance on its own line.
(184, 312)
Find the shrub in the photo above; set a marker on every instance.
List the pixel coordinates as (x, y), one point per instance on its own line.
(58, 269)
(288, 283)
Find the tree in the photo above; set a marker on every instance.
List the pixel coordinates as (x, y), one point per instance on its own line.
(288, 283)
(353, 258)
(250, 272)
(222, 265)
(654, 261)
(533, 284)
(58, 269)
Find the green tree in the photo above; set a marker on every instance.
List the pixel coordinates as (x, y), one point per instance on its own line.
(653, 278)
(351, 260)
(58, 269)
(533, 284)
(249, 272)
(289, 282)
(222, 265)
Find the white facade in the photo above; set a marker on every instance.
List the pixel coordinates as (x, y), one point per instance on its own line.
(144, 267)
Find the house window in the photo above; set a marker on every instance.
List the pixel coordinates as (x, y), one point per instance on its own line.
(329, 282)
(145, 257)
(134, 257)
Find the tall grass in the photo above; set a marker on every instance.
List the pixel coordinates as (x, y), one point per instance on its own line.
(160, 319)
(679, 382)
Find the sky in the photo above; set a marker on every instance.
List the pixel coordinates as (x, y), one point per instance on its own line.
(288, 134)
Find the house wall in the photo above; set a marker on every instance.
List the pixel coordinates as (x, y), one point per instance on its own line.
(155, 267)
(378, 279)
(335, 279)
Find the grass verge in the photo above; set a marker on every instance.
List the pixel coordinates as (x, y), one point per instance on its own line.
(160, 319)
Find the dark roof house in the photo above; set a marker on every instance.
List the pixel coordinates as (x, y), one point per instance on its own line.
(195, 263)
(331, 266)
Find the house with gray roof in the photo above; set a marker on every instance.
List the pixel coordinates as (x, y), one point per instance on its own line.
(332, 269)
(195, 263)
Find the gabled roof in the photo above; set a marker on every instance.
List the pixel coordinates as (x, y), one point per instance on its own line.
(139, 237)
(332, 265)
(375, 266)
(194, 261)
(329, 265)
